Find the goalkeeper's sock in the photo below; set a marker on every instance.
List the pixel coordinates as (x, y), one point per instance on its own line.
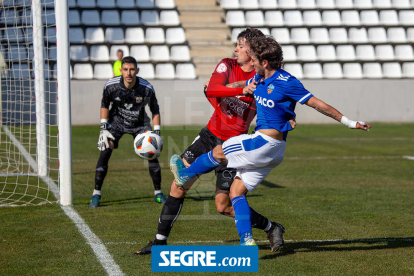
(203, 164)
(169, 214)
(243, 215)
(155, 173)
(259, 221)
(96, 192)
(102, 168)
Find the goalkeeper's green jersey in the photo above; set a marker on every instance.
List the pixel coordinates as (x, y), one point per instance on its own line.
(117, 68)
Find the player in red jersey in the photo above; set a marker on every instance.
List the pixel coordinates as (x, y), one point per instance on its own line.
(234, 111)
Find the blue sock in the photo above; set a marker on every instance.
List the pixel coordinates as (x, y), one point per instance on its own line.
(243, 216)
(203, 164)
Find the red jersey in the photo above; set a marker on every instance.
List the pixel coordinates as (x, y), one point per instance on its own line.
(233, 111)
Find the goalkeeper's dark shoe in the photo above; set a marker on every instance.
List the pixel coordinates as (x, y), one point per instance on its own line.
(160, 198)
(275, 236)
(95, 201)
(147, 249)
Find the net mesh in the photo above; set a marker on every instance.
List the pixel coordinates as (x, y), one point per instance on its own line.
(21, 155)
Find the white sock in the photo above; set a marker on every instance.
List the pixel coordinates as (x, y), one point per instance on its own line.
(269, 224)
(161, 237)
(96, 192)
(156, 192)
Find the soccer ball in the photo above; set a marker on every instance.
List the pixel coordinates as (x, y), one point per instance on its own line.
(148, 145)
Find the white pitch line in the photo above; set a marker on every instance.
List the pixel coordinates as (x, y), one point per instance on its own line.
(408, 157)
(95, 243)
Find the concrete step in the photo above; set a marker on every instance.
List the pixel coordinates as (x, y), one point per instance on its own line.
(217, 51)
(202, 16)
(208, 35)
(213, 43)
(179, 3)
(197, 8)
(204, 25)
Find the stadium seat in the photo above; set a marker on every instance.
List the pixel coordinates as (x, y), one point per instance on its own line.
(99, 53)
(175, 36)
(287, 4)
(345, 52)
(331, 18)
(352, 71)
(235, 18)
(180, 53)
(267, 4)
(312, 18)
(130, 18)
(408, 70)
(325, 4)
(102, 71)
(294, 69)
(114, 50)
(154, 35)
(76, 35)
(71, 3)
(13, 35)
(363, 4)
(50, 35)
(401, 4)
(135, 35)
(160, 53)
(265, 31)
(369, 18)
(312, 71)
(83, 71)
(74, 18)
(382, 4)
(338, 35)
(365, 52)
(307, 4)
(319, 35)
(410, 34)
(125, 4)
(48, 17)
(185, 71)
(307, 53)
(10, 17)
(407, 18)
(20, 71)
(300, 35)
(146, 4)
(281, 35)
(358, 35)
(165, 4)
(90, 18)
(293, 18)
(234, 33)
(344, 4)
(326, 52)
(350, 18)
(169, 18)
(86, 3)
(377, 35)
(289, 53)
(27, 17)
(52, 53)
(384, 52)
(332, 71)
(140, 53)
(24, 3)
(17, 52)
(274, 18)
(230, 4)
(146, 71)
(388, 17)
(110, 18)
(28, 35)
(249, 4)
(94, 35)
(254, 18)
(164, 71)
(404, 52)
(150, 18)
(114, 35)
(372, 70)
(392, 70)
(396, 35)
(79, 53)
(106, 4)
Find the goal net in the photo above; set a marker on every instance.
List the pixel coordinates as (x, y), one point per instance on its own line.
(29, 163)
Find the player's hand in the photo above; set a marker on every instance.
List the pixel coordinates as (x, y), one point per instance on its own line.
(158, 132)
(363, 126)
(103, 143)
(250, 88)
(206, 84)
(292, 123)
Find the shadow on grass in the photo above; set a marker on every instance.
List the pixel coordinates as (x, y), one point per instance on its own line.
(339, 245)
(271, 185)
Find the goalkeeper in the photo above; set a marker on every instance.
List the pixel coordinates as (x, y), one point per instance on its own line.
(128, 95)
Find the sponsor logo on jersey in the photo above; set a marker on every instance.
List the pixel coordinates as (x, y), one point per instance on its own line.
(270, 88)
(128, 106)
(117, 99)
(139, 100)
(227, 175)
(221, 68)
(235, 105)
(264, 101)
(283, 78)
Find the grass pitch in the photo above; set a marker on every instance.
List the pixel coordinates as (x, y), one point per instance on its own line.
(344, 196)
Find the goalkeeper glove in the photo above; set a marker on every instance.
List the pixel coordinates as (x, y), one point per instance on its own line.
(103, 143)
(157, 130)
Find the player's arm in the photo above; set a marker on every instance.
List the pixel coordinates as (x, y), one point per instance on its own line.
(335, 114)
(237, 84)
(217, 86)
(105, 135)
